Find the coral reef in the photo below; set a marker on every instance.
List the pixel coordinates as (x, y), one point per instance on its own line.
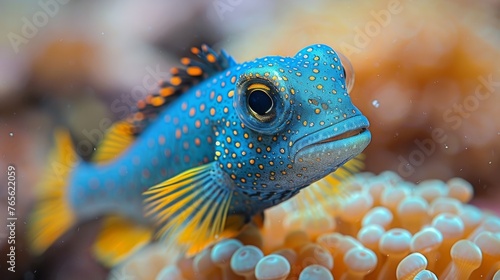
(387, 228)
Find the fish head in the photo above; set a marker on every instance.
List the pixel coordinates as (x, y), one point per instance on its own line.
(293, 121)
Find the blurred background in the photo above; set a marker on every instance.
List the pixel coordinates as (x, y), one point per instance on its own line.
(427, 77)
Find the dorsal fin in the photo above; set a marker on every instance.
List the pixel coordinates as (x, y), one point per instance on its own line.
(206, 63)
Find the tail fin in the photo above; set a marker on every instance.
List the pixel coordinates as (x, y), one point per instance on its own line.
(53, 215)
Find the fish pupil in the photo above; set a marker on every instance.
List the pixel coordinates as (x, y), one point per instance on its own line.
(260, 102)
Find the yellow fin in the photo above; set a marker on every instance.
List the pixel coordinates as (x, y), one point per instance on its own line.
(52, 215)
(191, 209)
(327, 192)
(258, 220)
(119, 239)
(118, 138)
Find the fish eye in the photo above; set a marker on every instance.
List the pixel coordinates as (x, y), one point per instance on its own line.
(260, 103)
(261, 106)
(348, 72)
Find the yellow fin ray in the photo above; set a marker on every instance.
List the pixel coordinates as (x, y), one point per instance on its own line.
(177, 193)
(119, 239)
(52, 215)
(191, 209)
(117, 139)
(328, 192)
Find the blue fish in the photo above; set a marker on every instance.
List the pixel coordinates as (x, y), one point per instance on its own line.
(218, 144)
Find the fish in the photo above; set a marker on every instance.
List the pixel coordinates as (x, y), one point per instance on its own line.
(206, 154)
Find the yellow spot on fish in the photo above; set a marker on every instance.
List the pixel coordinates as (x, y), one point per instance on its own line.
(175, 81)
(211, 58)
(166, 91)
(161, 140)
(194, 71)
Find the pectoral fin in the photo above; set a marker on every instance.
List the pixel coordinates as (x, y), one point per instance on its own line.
(329, 191)
(258, 220)
(192, 209)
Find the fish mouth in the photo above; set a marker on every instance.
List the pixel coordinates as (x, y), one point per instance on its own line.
(343, 135)
(350, 136)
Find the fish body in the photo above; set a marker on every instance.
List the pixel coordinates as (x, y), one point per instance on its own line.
(170, 145)
(245, 138)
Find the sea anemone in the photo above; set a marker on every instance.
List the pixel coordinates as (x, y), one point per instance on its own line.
(385, 228)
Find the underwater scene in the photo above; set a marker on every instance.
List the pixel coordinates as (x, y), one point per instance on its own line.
(250, 140)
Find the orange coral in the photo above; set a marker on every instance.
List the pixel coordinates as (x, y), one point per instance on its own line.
(386, 229)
